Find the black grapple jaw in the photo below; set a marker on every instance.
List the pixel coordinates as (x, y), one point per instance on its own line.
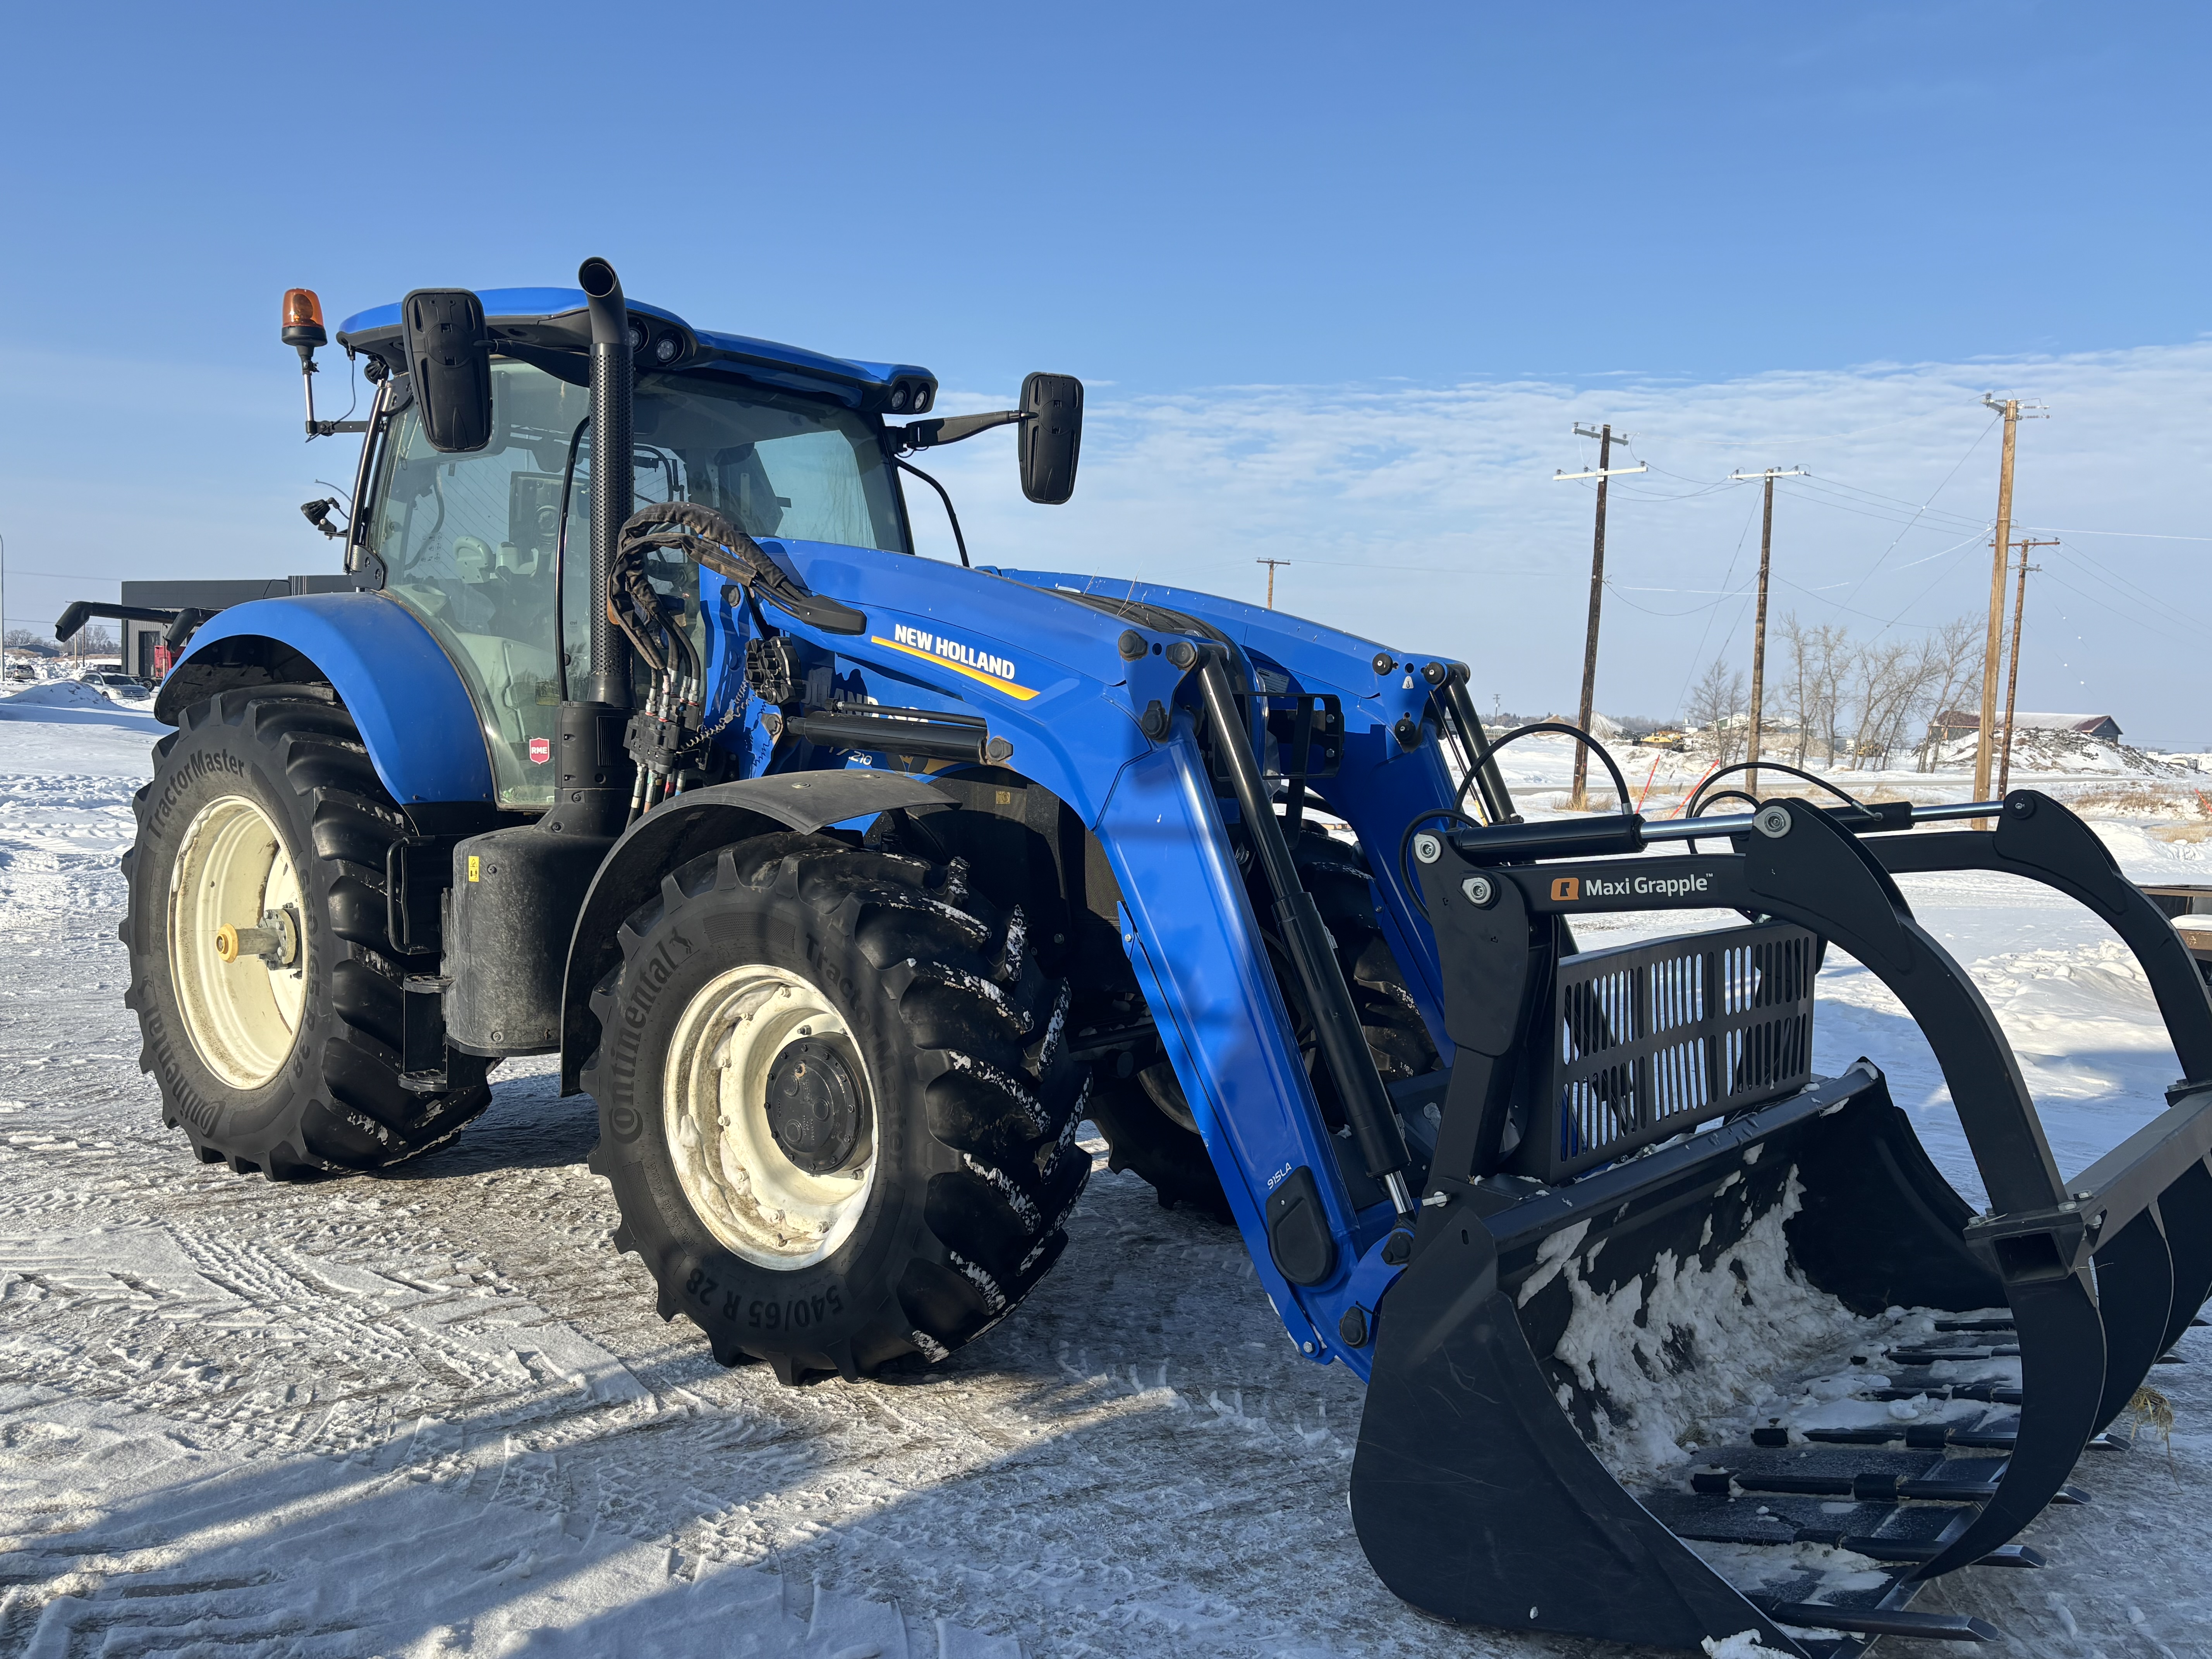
(1564, 1180)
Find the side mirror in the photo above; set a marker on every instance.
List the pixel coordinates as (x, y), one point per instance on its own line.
(1050, 436)
(449, 360)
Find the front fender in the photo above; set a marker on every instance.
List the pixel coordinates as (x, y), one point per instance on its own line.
(695, 821)
(396, 681)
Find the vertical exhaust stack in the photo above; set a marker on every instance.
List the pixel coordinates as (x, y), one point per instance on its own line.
(612, 477)
(515, 889)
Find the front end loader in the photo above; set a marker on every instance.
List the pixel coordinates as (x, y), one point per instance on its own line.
(850, 884)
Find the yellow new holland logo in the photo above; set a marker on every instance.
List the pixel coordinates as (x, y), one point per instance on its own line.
(995, 672)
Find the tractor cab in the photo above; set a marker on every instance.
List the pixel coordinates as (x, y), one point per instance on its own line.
(488, 545)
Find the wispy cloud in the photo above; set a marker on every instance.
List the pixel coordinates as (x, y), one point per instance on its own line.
(1425, 516)
(1428, 516)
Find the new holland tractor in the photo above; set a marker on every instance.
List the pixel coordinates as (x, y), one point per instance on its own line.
(849, 884)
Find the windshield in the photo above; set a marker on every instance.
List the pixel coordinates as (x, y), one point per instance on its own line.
(468, 541)
(775, 462)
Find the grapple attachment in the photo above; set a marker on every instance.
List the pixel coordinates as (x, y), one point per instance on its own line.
(1692, 1342)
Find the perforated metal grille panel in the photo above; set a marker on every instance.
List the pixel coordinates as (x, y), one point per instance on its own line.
(1649, 1040)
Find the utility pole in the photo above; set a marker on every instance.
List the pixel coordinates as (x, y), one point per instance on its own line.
(1985, 737)
(1271, 564)
(1605, 471)
(1758, 630)
(2012, 674)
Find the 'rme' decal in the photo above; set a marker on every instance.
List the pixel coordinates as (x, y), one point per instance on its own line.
(997, 672)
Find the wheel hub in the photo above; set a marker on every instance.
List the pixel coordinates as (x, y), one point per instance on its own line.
(770, 1116)
(813, 1107)
(238, 956)
(274, 941)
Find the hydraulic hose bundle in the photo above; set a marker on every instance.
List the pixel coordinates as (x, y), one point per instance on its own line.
(668, 738)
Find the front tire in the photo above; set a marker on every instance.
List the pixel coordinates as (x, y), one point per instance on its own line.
(836, 1105)
(268, 993)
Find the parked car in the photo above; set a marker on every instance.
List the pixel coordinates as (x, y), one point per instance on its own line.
(124, 686)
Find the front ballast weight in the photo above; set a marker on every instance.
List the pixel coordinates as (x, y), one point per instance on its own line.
(1638, 1131)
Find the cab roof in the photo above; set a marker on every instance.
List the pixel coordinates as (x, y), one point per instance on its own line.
(543, 320)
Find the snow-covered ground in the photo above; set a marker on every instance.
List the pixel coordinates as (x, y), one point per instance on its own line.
(434, 1413)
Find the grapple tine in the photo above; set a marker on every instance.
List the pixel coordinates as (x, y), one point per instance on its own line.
(2062, 1369)
(2135, 1299)
(1513, 1466)
(1473, 1495)
(2186, 1208)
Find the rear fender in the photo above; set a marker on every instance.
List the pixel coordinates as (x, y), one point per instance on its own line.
(395, 680)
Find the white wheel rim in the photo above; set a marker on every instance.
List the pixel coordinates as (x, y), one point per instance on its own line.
(242, 1016)
(738, 1181)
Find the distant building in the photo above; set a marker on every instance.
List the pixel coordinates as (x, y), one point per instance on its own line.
(1965, 723)
(144, 653)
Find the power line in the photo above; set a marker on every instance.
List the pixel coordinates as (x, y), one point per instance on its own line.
(2132, 621)
(1932, 495)
(1681, 694)
(2132, 535)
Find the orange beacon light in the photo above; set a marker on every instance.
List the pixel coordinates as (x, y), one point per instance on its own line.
(303, 320)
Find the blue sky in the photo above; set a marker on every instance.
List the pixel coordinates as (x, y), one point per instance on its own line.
(1340, 279)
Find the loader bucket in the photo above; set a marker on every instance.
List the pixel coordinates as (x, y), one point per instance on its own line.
(1692, 1342)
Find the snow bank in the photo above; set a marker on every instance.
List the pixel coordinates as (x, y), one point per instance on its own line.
(59, 694)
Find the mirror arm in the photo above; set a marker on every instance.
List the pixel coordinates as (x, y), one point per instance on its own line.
(937, 432)
(944, 495)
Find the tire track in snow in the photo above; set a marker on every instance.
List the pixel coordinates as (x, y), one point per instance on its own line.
(390, 1380)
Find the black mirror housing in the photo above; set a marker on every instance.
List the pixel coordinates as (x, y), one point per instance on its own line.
(1051, 436)
(449, 360)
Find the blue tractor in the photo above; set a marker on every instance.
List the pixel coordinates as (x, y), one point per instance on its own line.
(849, 884)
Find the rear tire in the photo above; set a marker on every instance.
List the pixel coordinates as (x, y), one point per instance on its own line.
(912, 1180)
(264, 803)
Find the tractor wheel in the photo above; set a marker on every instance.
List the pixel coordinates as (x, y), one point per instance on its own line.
(1150, 1128)
(1337, 875)
(1147, 1123)
(837, 1104)
(262, 973)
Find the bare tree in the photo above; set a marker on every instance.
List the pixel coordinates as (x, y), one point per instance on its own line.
(1954, 679)
(1885, 673)
(1716, 702)
(32, 639)
(1817, 667)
